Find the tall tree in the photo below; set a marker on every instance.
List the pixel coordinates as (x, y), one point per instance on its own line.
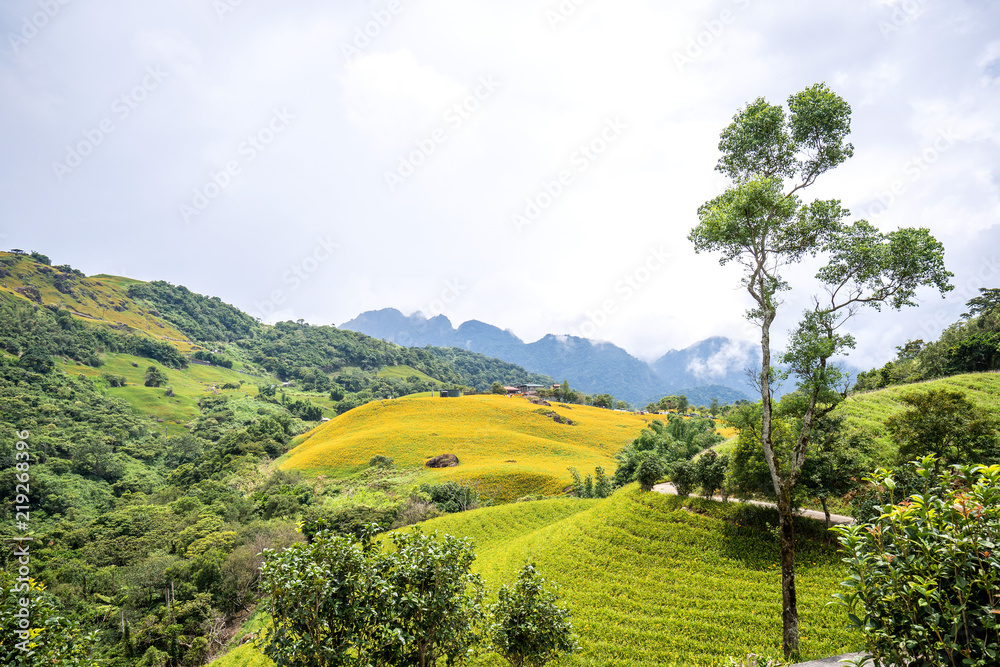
(761, 223)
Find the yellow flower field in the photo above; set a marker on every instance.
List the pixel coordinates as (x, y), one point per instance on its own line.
(503, 443)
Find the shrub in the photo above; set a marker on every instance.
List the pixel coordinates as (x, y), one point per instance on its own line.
(451, 496)
(154, 377)
(341, 601)
(924, 574)
(602, 485)
(710, 472)
(684, 477)
(527, 627)
(649, 472)
(346, 520)
(113, 379)
(379, 461)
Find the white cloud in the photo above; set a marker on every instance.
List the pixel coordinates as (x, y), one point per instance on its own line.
(733, 355)
(325, 175)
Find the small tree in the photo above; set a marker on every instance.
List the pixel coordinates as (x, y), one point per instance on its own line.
(154, 377)
(925, 574)
(497, 388)
(527, 627)
(684, 477)
(602, 485)
(649, 472)
(710, 472)
(343, 601)
(946, 424)
(437, 604)
(714, 408)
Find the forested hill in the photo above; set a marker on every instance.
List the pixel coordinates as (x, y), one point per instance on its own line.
(84, 317)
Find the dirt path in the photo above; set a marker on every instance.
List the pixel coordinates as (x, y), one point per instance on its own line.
(835, 519)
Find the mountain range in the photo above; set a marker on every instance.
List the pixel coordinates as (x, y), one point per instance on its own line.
(712, 368)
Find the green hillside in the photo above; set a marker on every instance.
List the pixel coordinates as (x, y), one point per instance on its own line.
(403, 372)
(97, 299)
(655, 580)
(189, 385)
(866, 412)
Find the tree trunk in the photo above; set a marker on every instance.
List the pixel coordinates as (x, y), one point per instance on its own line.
(789, 605)
(826, 511)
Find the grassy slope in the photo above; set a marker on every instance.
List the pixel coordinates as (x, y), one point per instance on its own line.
(189, 386)
(651, 583)
(99, 299)
(501, 441)
(867, 412)
(403, 372)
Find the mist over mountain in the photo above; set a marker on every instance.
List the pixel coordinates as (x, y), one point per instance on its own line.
(712, 368)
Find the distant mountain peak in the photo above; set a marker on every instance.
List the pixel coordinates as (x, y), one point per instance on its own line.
(590, 365)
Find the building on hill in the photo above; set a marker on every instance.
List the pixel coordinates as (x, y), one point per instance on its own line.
(530, 389)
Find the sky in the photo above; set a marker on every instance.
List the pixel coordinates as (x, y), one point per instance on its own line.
(534, 165)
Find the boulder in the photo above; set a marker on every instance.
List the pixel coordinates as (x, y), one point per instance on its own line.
(443, 461)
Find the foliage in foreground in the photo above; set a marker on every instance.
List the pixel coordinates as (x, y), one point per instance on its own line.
(347, 601)
(924, 582)
(35, 631)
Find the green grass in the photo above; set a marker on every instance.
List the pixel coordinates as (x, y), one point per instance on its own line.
(189, 385)
(866, 413)
(244, 654)
(403, 372)
(655, 580)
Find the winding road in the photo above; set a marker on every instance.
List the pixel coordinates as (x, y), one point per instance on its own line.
(835, 519)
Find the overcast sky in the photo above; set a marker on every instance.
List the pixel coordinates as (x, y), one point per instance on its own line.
(535, 165)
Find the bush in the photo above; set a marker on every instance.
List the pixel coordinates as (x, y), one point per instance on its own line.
(379, 461)
(451, 496)
(352, 520)
(154, 377)
(924, 574)
(710, 472)
(684, 477)
(113, 379)
(527, 627)
(341, 601)
(649, 472)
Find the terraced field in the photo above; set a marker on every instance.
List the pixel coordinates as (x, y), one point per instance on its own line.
(656, 580)
(504, 443)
